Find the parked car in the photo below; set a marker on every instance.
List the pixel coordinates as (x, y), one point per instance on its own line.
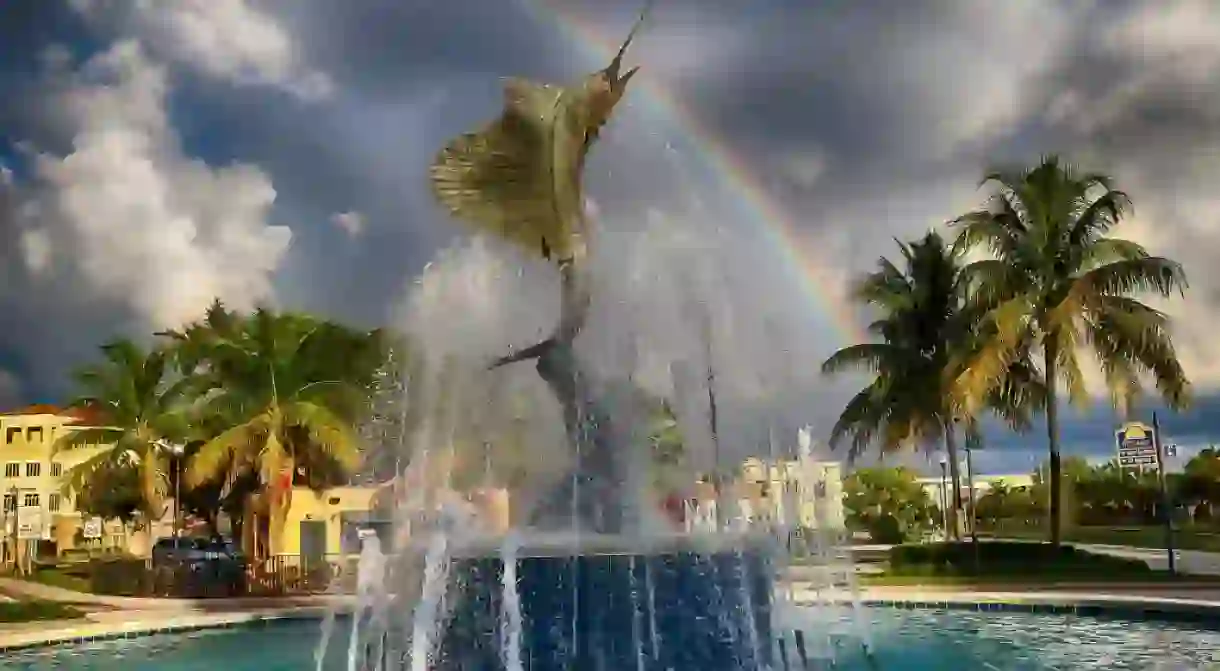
(198, 567)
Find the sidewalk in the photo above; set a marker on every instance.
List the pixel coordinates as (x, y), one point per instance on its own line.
(24, 589)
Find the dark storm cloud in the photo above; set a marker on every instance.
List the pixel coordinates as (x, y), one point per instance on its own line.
(864, 120)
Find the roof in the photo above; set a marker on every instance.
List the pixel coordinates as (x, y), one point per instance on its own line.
(77, 415)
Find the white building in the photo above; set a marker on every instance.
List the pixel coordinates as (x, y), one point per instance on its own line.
(793, 492)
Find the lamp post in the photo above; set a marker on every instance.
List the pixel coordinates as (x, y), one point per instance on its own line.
(177, 451)
(944, 497)
(1166, 503)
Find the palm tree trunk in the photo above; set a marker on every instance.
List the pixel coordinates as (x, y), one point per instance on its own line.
(1052, 437)
(955, 481)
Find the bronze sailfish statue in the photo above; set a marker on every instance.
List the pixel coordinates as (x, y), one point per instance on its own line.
(519, 178)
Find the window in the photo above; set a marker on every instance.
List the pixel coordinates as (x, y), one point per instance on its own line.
(12, 470)
(10, 503)
(57, 469)
(34, 434)
(30, 500)
(33, 469)
(53, 503)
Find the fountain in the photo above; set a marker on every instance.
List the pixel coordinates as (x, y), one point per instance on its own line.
(592, 579)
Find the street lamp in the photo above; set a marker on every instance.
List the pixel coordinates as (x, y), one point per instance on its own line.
(944, 496)
(176, 450)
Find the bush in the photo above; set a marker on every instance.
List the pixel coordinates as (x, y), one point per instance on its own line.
(886, 530)
(1006, 558)
(119, 577)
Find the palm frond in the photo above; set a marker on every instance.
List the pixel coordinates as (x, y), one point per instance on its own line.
(869, 357)
(327, 432)
(1148, 274)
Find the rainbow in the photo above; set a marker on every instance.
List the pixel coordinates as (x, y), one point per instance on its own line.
(733, 173)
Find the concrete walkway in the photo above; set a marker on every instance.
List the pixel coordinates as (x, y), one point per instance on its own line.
(26, 590)
(128, 616)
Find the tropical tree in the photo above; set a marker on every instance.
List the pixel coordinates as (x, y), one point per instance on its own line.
(1200, 483)
(1055, 283)
(112, 492)
(925, 331)
(288, 389)
(887, 502)
(137, 410)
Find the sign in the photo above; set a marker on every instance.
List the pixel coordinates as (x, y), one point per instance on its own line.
(93, 528)
(29, 523)
(1136, 445)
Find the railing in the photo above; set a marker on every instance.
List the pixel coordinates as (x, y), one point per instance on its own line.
(280, 575)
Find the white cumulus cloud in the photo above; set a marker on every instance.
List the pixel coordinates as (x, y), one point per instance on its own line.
(130, 218)
(232, 40)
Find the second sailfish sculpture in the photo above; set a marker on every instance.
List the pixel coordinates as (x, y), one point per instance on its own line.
(520, 178)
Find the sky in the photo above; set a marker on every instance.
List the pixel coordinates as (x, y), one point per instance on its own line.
(156, 155)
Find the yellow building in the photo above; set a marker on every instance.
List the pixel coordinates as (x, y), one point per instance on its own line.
(34, 475)
(327, 523)
(313, 524)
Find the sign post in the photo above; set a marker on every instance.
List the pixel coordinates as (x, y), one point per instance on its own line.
(1166, 504)
(1136, 446)
(1139, 447)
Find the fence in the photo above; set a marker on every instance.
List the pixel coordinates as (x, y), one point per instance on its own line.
(280, 575)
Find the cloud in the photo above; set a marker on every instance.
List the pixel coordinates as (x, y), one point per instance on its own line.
(125, 227)
(853, 126)
(232, 40)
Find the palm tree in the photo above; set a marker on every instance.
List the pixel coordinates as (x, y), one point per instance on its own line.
(288, 388)
(138, 411)
(1055, 283)
(926, 331)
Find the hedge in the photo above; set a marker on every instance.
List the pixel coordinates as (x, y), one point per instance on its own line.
(1005, 557)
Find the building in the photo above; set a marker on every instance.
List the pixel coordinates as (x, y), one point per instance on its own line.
(937, 487)
(35, 503)
(329, 523)
(803, 492)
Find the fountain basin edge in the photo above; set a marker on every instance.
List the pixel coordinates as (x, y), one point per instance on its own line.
(678, 610)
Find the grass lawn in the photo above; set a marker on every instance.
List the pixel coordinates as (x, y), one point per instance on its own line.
(63, 578)
(37, 611)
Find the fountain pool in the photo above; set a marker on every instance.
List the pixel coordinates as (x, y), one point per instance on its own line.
(910, 640)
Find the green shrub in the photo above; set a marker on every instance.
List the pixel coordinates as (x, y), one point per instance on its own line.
(886, 530)
(119, 577)
(1006, 558)
(31, 611)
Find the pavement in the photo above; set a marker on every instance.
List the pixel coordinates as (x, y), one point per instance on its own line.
(109, 616)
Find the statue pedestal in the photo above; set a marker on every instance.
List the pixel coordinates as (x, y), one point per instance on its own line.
(669, 610)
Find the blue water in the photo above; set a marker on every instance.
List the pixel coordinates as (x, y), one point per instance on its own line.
(911, 640)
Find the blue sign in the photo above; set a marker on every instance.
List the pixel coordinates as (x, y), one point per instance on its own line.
(1136, 445)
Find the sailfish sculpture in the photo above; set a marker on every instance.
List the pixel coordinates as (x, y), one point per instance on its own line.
(520, 179)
